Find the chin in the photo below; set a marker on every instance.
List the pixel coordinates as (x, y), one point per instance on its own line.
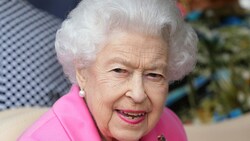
(128, 139)
(135, 136)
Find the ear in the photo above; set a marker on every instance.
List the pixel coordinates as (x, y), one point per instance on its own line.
(81, 77)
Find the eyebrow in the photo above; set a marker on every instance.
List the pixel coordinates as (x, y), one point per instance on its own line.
(154, 66)
(120, 61)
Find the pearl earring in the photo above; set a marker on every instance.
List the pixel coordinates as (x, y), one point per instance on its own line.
(82, 93)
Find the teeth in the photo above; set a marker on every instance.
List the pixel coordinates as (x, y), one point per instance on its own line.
(133, 115)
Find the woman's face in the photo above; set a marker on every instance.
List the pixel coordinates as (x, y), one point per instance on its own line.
(126, 86)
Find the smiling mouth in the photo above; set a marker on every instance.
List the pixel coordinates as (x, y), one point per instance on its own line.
(132, 117)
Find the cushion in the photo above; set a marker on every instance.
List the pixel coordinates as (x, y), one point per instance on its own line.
(237, 129)
(15, 121)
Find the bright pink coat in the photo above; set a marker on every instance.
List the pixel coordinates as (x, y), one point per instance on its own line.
(70, 120)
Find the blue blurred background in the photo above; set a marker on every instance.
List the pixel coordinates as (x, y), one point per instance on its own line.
(58, 8)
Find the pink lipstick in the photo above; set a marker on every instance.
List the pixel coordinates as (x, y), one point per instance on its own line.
(131, 117)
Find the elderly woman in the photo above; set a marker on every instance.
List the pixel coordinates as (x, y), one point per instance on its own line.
(120, 56)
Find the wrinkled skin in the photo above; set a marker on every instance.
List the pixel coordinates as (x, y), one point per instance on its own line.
(126, 86)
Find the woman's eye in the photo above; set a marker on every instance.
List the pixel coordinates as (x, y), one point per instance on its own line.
(155, 76)
(119, 70)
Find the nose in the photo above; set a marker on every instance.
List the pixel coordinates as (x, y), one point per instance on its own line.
(137, 90)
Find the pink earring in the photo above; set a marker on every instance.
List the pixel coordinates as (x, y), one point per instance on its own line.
(82, 93)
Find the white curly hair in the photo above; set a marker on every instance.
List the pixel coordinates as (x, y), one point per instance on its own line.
(90, 24)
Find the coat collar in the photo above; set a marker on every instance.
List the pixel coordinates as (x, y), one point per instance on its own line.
(72, 112)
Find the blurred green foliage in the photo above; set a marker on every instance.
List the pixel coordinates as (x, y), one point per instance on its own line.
(224, 59)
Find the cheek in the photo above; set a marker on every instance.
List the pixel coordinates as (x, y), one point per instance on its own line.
(101, 109)
(97, 99)
(157, 96)
(157, 93)
(101, 101)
